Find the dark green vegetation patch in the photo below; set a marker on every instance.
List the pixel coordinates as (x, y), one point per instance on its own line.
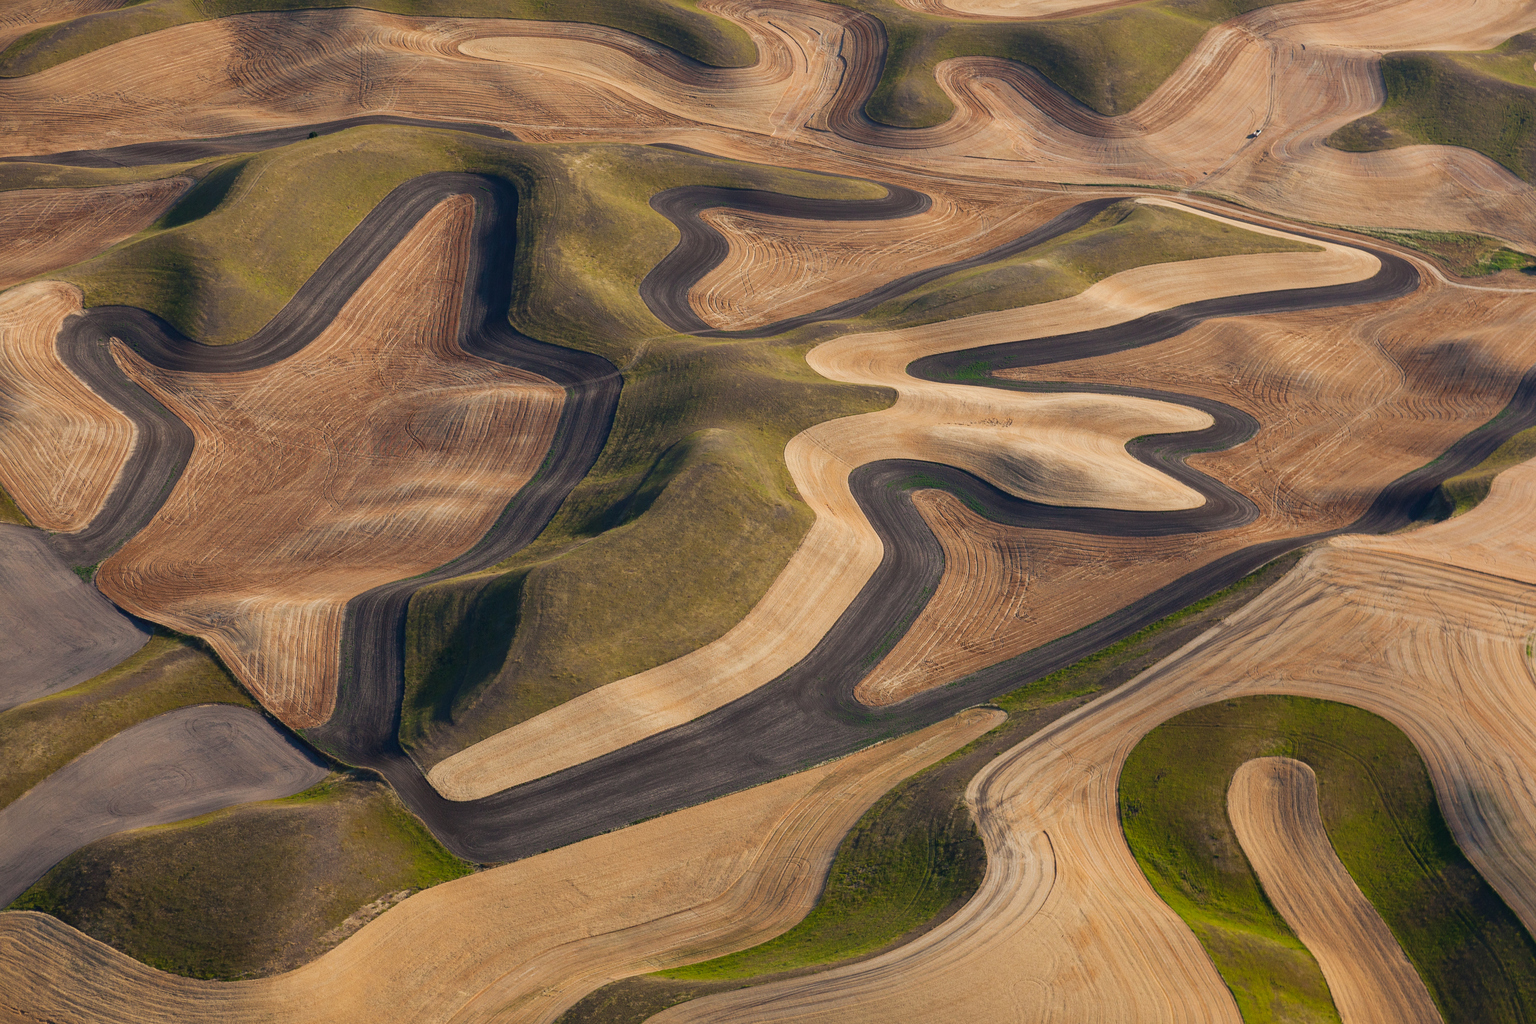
(251, 891)
(1466, 490)
(1481, 101)
(10, 512)
(1379, 808)
(915, 858)
(169, 672)
(1462, 253)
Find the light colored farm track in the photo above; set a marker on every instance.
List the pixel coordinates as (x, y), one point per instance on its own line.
(379, 451)
(1063, 449)
(1273, 806)
(63, 446)
(524, 941)
(58, 629)
(43, 229)
(1346, 404)
(1406, 627)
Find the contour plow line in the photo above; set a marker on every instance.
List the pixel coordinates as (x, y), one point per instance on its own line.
(1065, 449)
(1410, 627)
(1272, 803)
(1298, 70)
(519, 942)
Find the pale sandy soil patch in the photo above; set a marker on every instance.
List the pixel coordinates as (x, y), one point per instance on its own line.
(65, 446)
(379, 451)
(42, 229)
(524, 941)
(1066, 923)
(1346, 404)
(1064, 449)
(1273, 806)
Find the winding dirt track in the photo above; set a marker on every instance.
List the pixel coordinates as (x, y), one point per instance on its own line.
(530, 938)
(1273, 806)
(59, 630)
(1425, 629)
(179, 765)
(287, 510)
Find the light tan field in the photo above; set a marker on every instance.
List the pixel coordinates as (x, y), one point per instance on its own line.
(1064, 449)
(43, 229)
(379, 451)
(1346, 404)
(1413, 627)
(524, 941)
(1298, 70)
(65, 446)
(1273, 806)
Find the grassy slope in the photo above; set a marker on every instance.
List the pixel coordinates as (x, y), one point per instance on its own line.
(1380, 811)
(1124, 236)
(10, 512)
(1482, 101)
(1109, 60)
(1464, 491)
(489, 651)
(169, 672)
(249, 891)
(679, 24)
(1462, 253)
(914, 858)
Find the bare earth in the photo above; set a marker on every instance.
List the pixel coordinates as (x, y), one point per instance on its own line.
(525, 941)
(64, 445)
(43, 229)
(1273, 805)
(1062, 449)
(59, 630)
(1419, 628)
(377, 452)
(179, 765)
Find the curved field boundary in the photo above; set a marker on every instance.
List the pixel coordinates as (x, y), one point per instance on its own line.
(1274, 810)
(703, 248)
(807, 714)
(141, 154)
(180, 765)
(1207, 781)
(60, 630)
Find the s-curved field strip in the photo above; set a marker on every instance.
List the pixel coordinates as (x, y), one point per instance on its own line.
(385, 359)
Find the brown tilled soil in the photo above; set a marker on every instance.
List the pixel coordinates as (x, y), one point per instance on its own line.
(379, 451)
(1406, 627)
(527, 939)
(64, 445)
(1346, 405)
(43, 229)
(1273, 806)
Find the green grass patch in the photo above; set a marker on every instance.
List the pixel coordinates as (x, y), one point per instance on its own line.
(169, 672)
(249, 891)
(1463, 253)
(917, 844)
(1466, 490)
(1471, 100)
(1379, 808)
(679, 24)
(10, 512)
(1127, 234)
